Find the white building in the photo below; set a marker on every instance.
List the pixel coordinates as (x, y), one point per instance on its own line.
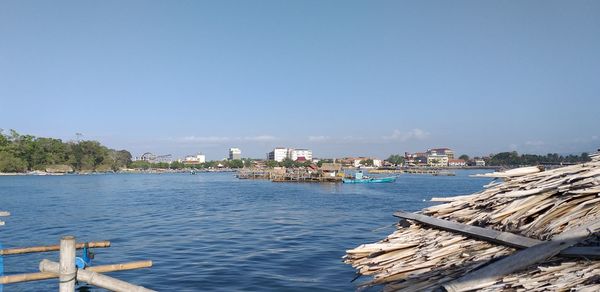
(235, 153)
(195, 159)
(358, 162)
(280, 153)
(377, 162)
(437, 160)
(456, 162)
(479, 162)
(300, 154)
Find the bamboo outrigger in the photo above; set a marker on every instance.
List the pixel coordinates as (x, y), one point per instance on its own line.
(538, 230)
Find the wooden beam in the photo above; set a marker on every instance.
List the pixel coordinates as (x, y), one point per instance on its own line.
(488, 275)
(10, 279)
(45, 248)
(504, 238)
(95, 279)
(491, 235)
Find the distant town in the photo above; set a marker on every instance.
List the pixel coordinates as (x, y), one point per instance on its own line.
(434, 157)
(26, 153)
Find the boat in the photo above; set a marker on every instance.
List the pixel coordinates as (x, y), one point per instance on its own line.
(359, 178)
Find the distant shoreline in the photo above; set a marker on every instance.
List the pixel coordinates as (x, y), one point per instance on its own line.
(128, 171)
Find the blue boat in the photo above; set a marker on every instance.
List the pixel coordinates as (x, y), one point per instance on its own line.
(360, 179)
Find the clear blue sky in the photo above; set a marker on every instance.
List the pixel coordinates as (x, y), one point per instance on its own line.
(340, 77)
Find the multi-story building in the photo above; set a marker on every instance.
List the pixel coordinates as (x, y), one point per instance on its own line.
(235, 153)
(437, 160)
(300, 154)
(442, 151)
(195, 159)
(280, 153)
(479, 162)
(456, 162)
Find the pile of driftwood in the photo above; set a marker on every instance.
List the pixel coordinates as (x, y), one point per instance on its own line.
(534, 230)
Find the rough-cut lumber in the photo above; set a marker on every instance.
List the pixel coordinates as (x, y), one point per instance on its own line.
(98, 269)
(539, 205)
(512, 172)
(66, 269)
(504, 238)
(450, 199)
(21, 250)
(521, 259)
(95, 279)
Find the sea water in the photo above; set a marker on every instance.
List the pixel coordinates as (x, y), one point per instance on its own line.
(211, 231)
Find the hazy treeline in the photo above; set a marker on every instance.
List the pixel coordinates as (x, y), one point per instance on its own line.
(19, 153)
(513, 158)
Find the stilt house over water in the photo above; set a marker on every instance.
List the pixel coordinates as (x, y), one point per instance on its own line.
(535, 230)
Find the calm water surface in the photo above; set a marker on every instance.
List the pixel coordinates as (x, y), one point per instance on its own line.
(211, 231)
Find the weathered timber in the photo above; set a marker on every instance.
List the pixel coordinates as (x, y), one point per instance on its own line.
(94, 278)
(98, 269)
(504, 238)
(521, 259)
(66, 269)
(500, 237)
(45, 248)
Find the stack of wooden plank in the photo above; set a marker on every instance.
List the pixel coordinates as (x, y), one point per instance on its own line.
(535, 215)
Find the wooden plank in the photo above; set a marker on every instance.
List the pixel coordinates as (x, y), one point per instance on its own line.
(495, 236)
(95, 279)
(589, 252)
(45, 248)
(504, 238)
(522, 259)
(99, 269)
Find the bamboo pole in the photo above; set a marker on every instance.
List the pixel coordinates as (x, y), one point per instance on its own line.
(96, 279)
(45, 248)
(99, 269)
(66, 269)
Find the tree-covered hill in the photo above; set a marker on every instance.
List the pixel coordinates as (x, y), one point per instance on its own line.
(19, 153)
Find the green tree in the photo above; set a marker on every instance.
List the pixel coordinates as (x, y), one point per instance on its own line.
(464, 157)
(395, 159)
(248, 162)
(10, 163)
(177, 165)
(367, 162)
(320, 163)
(140, 164)
(236, 163)
(271, 163)
(3, 140)
(288, 163)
